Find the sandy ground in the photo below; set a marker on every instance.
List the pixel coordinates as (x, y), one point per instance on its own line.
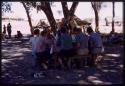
(17, 69)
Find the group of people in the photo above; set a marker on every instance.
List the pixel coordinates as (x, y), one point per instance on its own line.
(19, 35)
(41, 46)
(8, 29)
(65, 44)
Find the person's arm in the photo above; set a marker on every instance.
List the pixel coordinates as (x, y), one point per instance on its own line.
(30, 40)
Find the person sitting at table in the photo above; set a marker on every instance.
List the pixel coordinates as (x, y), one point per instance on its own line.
(19, 35)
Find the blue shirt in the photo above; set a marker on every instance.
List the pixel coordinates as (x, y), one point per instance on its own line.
(96, 45)
(83, 40)
(95, 40)
(65, 42)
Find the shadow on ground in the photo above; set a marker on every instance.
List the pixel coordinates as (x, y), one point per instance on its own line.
(17, 69)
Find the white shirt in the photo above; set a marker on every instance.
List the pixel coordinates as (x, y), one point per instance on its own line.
(40, 44)
(33, 41)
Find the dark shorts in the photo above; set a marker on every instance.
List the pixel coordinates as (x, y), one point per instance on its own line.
(44, 55)
(67, 53)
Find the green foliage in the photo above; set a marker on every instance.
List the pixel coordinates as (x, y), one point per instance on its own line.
(29, 6)
(36, 5)
(6, 7)
(39, 5)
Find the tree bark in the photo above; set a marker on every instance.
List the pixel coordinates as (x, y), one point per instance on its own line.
(113, 12)
(96, 17)
(73, 8)
(28, 16)
(47, 10)
(65, 10)
(96, 21)
(68, 13)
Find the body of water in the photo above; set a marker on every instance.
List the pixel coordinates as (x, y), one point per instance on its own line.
(23, 26)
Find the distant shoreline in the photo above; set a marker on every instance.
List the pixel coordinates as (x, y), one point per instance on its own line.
(24, 27)
(12, 19)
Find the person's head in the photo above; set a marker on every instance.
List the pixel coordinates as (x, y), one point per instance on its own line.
(43, 33)
(63, 30)
(111, 32)
(36, 32)
(18, 31)
(50, 36)
(89, 30)
(77, 30)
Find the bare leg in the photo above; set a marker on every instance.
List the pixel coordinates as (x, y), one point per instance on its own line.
(61, 62)
(44, 66)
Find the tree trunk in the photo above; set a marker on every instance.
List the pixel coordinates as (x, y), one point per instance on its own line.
(113, 12)
(65, 10)
(73, 8)
(96, 9)
(28, 16)
(96, 21)
(68, 13)
(47, 10)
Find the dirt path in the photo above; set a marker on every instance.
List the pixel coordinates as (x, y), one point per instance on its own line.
(17, 69)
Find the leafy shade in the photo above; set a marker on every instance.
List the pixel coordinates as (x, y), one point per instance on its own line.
(6, 7)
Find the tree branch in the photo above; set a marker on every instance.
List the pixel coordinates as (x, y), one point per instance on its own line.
(73, 7)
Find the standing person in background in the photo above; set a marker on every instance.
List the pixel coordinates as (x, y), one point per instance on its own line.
(9, 30)
(106, 22)
(4, 32)
(95, 46)
(4, 29)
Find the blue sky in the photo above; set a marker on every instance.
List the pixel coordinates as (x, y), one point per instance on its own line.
(84, 10)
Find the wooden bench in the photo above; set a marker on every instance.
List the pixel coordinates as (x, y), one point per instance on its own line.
(81, 58)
